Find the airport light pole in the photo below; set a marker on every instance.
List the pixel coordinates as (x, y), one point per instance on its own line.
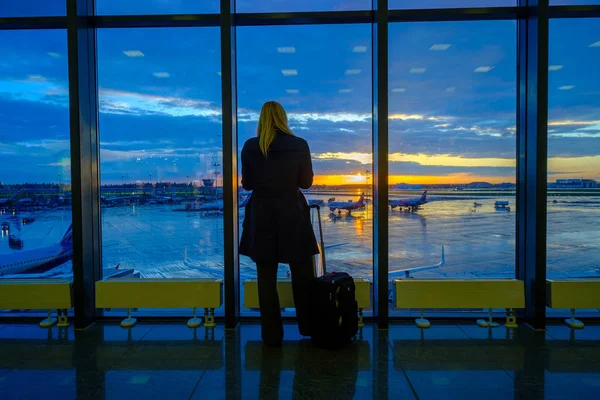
(367, 177)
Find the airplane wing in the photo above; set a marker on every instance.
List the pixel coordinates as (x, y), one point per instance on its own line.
(407, 271)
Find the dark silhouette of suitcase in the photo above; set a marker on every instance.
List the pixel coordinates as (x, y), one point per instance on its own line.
(334, 306)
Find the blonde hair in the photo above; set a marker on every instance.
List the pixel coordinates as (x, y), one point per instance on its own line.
(272, 119)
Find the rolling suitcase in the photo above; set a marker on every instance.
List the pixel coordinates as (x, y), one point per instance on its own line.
(334, 306)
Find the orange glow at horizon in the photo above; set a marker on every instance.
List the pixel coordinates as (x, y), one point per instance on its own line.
(335, 180)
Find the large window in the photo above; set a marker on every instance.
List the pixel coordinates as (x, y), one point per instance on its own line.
(35, 172)
(322, 76)
(160, 152)
(452, 117)
(573, 148)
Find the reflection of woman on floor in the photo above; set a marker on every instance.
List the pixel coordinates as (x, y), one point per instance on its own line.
(317, 373)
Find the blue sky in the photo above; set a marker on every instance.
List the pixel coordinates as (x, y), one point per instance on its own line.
(452, 98)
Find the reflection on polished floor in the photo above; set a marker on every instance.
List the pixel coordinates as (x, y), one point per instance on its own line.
(171, 361)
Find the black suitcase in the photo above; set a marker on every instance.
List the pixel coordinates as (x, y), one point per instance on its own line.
(334, 306)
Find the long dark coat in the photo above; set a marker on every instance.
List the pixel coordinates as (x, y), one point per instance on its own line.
(277, 226)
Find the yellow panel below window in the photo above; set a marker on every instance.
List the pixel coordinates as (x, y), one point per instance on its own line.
(35, 294)
(573, 293)
(286, 298)
(159, 293)
(455, 293)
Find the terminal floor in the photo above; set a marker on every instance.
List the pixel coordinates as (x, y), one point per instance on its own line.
(171, 361)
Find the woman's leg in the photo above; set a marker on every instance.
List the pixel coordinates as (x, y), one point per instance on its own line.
(268, 300)
(303, 274)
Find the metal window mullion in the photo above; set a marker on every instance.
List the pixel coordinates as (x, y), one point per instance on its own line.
(532, 141)
(304, 18)
(83, 110)
(380, 163)
(589, 11)
(456, 14)
(230, 170)
(22, 23)
(155, 21)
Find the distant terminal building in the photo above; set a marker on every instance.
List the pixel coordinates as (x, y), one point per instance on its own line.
(574, 184)
(208, 182)
(406, 186)
(479, 185)
(505, 185)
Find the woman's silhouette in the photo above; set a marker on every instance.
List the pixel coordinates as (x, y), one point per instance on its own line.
(277, 227)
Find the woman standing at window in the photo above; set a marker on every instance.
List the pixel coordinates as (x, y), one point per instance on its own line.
(277, 228)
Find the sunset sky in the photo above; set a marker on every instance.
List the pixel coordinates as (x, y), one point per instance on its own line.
(452, 98)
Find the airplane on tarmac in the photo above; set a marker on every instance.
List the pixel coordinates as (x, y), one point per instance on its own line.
(347, 205)
(38, 260)
(409, 204)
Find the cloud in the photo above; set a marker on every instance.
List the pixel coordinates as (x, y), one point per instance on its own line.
(63, 163)
(440, 160)
(335, 117)
(6, 149)
(560, 166)
(158, 154)
(46, 144)
(36, 78)
(128, 143)
(363, 158)
(122, 102)
(571, 122)
(132, 103)
(575, 135)
(405, 117)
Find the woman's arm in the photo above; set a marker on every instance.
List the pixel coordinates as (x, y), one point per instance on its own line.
(247, 182)
(305, 174)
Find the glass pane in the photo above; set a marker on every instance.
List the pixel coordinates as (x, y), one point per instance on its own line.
(33, 8)
(452, 100)
(160, 152)
(410, 4)
(573, 148)
(269, 6)
(322, 75)
(35, 172)
(148, 7)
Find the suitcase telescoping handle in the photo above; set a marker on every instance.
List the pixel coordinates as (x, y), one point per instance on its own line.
(318, 208)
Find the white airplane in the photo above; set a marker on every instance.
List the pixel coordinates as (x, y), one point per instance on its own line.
(406, 273)
(409, 204)
(38, 260)
(348, 205)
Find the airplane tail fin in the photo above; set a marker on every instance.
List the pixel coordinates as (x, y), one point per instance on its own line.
(245, 201)
(424, 196)
(67, 239)
(361, 200)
